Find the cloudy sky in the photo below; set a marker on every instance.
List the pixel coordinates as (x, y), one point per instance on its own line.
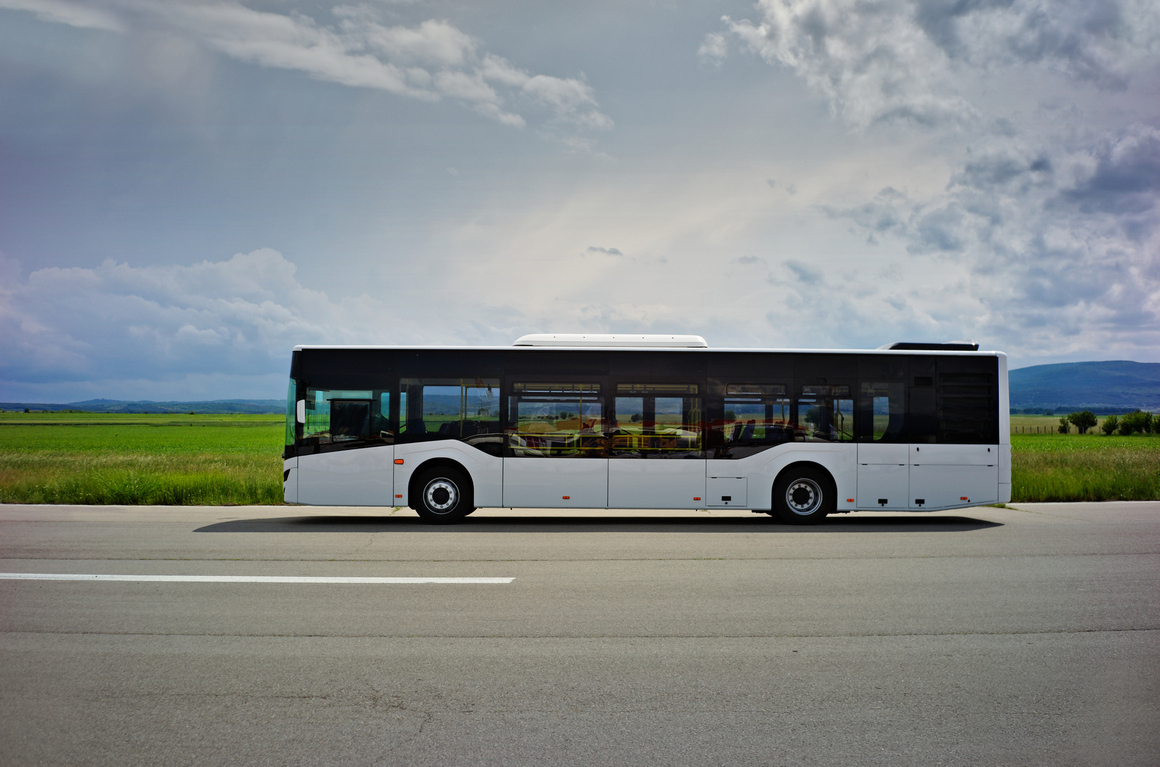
(188, 189)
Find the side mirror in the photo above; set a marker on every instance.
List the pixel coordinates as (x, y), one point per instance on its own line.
(301, 411)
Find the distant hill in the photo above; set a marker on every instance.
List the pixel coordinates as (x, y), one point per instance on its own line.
(1103, 387)
(117, 406)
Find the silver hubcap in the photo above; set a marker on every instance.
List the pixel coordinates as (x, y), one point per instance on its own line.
(441, 495)
(803, 496)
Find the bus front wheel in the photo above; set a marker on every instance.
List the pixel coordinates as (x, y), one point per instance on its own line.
(803, 496)
(444, 496)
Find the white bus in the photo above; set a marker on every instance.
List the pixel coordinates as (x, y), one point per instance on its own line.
(647, 422)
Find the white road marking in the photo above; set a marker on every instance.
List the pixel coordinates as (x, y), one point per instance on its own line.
(239, 578)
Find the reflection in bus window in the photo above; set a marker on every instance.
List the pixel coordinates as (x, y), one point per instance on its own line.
(756, 419)
(556, 420)
(657, 421)
(825, 414)
(465, 409)
(336, 416)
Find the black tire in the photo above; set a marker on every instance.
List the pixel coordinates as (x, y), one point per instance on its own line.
(803, 496)
(443, 496)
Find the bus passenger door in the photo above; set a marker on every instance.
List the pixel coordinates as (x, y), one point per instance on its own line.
(557, 454)
(656, 459)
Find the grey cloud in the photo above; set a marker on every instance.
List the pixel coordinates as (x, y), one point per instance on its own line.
(1056, 237)
(804, 273)
(895, 61)
(1126, 177)
(605, 251)
(238, 317)
(750, 260)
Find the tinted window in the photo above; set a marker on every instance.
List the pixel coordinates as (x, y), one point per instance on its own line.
(658, 420)
(556, 420)
(346, 417)
(825, 413)
(466, 409)
(756, 417)
(882, 411)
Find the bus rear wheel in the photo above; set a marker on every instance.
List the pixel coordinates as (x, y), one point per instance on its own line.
(803, 496)
(444, 496)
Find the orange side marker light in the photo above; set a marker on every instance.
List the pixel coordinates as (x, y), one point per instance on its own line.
(964, 498)
(849, 500)
(398, 461)
(696, 497)
(567, 497)
(400, 495)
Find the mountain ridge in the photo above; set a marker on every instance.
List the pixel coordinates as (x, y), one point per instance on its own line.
(1112, 386)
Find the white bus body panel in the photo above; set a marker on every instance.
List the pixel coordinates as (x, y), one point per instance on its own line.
(544, 483)
(761, 470)
(1004, 474)
(486, 471)
(883, 475)
(721, 492)
(1004, 432)
(946, 476)
(642, 483)
(290, 482)
(358, 477)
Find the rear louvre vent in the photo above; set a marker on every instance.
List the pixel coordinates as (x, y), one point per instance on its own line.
(966, 406)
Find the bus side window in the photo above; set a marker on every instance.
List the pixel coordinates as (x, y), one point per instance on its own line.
(465, 409)
(756, 418)
(658, 420)
(881, 411)
(825, 413)
(334, 416)
(556, 420)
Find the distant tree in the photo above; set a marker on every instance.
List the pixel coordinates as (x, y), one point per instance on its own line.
(1135, 421)
(1111, 423)
(1063, 425)
(1083, 420)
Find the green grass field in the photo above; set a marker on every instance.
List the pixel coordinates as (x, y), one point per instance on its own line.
(96, 458)
(140, 459)
(1087, 467)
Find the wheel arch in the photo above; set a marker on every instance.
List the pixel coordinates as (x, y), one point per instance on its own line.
(797, 466)
(436, 463)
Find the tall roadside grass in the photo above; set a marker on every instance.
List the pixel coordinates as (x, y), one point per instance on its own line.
(128, 460)
(213, 460)
(1060, 467)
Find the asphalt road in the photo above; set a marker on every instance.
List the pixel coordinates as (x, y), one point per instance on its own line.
(984, 636)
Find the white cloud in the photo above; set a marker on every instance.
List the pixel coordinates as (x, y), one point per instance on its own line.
(430, 60)
(714, 50)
